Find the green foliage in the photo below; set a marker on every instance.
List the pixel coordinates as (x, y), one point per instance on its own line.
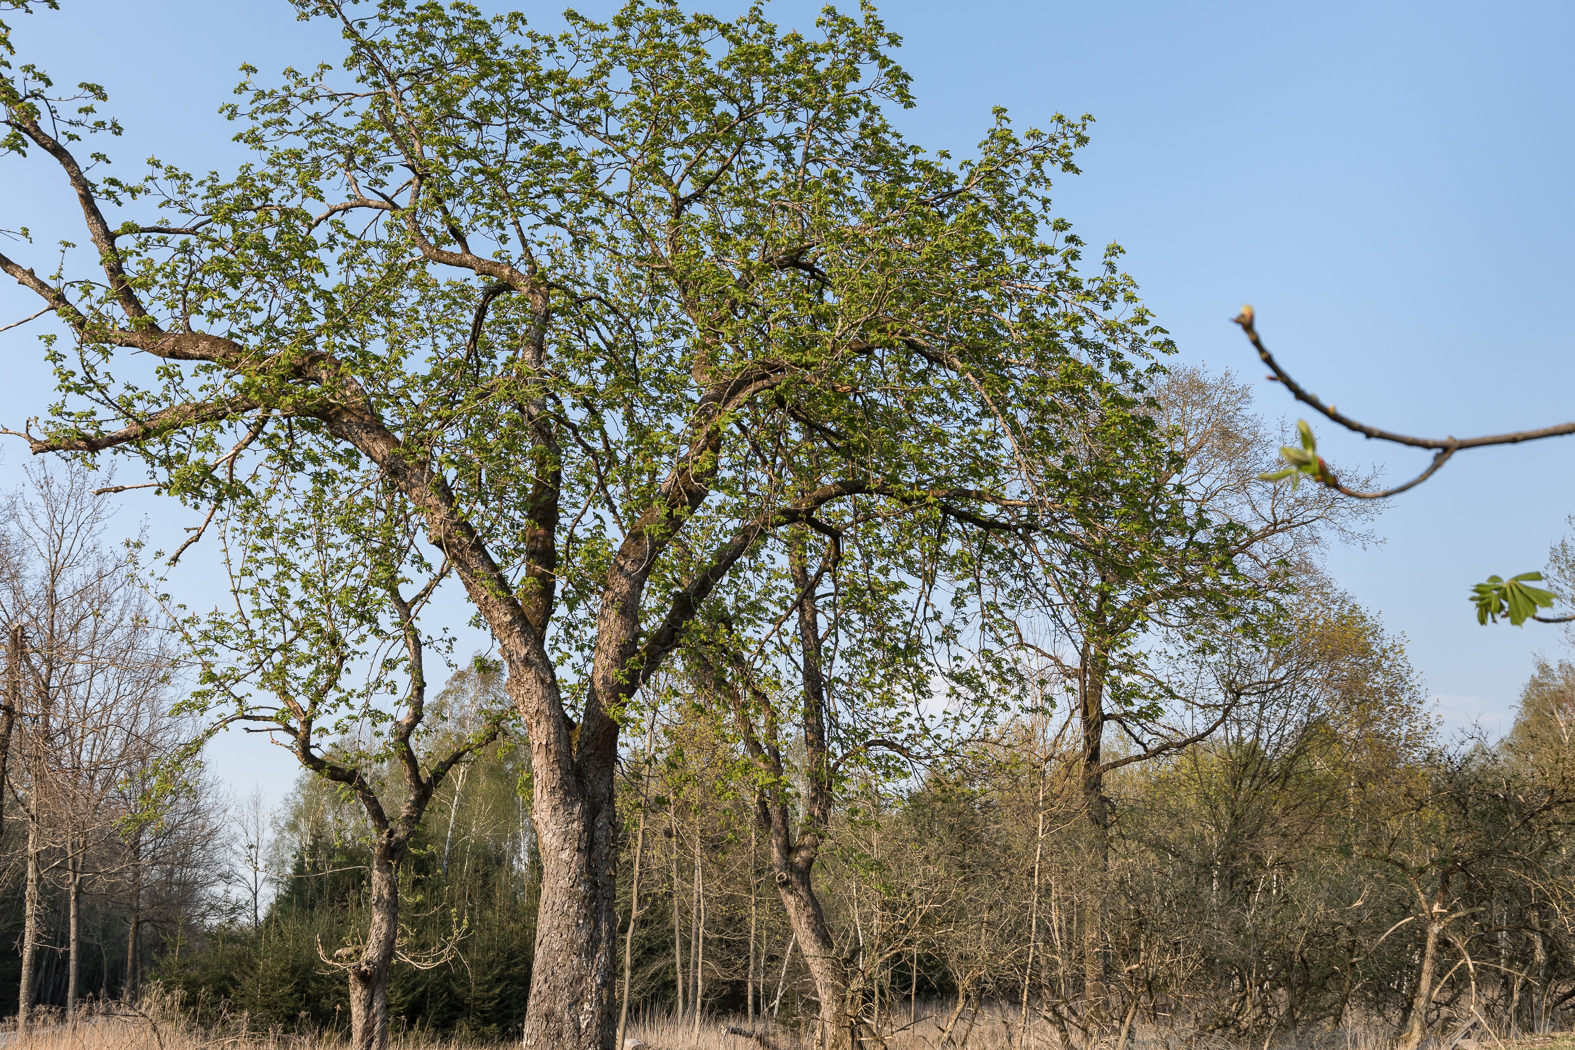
(1303, 461)
(1512, 597)
(667, 250)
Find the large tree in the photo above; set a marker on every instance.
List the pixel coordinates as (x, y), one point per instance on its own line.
(1141, 599)
(555, 295)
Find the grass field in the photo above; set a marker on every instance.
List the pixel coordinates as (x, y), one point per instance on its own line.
(992, 1029)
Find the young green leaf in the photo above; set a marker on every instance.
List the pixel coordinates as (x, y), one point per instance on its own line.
(1513, 598)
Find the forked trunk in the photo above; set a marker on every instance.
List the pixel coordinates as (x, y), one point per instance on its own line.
(369, 976)
(571, 987)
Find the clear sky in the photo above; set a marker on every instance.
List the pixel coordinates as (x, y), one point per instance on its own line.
(1388, 184)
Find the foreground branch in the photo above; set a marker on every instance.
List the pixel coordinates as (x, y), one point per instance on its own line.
(1443, 447)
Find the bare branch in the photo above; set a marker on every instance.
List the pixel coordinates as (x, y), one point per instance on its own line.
(1445, 447)
(23, 321)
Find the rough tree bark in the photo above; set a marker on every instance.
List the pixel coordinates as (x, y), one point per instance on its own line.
(369, 976)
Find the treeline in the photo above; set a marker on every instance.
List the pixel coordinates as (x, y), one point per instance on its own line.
(111, 849)
(1285, 844)
(1324, 858)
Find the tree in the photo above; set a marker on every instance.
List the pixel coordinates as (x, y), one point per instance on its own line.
(1545, 721)
(466, 894)
(550, 295)
(247, 875)
(90, 670)
(326, 637)
(1169, 565)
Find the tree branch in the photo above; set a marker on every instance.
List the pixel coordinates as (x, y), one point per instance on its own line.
(1446, 447)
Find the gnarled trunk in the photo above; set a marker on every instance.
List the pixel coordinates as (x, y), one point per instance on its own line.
(571, 987)
(808, 922)
(369, 977)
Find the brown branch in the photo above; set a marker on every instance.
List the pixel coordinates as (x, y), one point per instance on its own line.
(1176, 744)
(1444, 447)
(98, 229)
(196, 535)
(161, 422)
(351, 205)
(686, 603)
(53, 296)
(112, 489)
(175, 231)
(23, 321)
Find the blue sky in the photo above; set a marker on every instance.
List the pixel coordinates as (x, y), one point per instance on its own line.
(1388, 184)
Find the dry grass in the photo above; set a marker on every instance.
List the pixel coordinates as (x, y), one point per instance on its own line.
(995, 1028)
(147, 1031)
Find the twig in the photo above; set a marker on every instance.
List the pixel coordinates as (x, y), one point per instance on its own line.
(112, 489)
(1443, 447)
(196, 535)
(23, 321)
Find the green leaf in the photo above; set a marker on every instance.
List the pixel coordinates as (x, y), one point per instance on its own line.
(1303, 460)
(1308, 441)
(1513, 598)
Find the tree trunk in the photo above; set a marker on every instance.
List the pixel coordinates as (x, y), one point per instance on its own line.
(697, 932)
(31, 909)
(634, 913)
(1033, 913)
(73, 935)
(133, 956)
(1411, 1038)
(1097, 817)
(129, 990)
(369, 976)
(571, 1001)
(1095, 995)
(754, 900)
(13, 702)
(808, 922)
(679, 984)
